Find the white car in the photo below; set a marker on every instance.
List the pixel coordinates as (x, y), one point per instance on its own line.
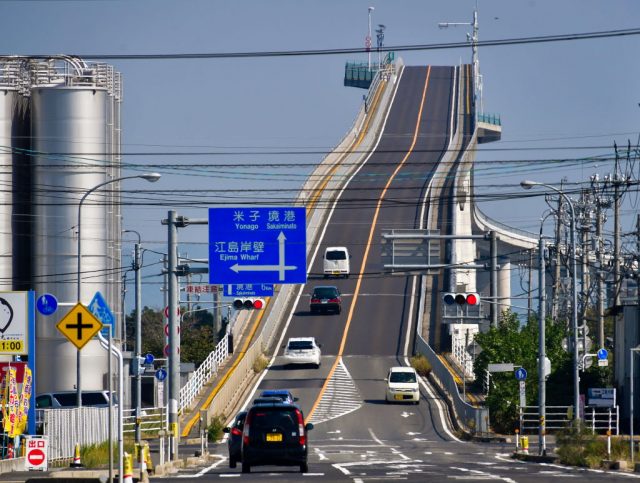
(302, 350)
(336, 262)
(402, 385)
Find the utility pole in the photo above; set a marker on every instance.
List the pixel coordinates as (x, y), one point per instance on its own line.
(138, 346)
(555, 290)
(493, 290)
(541, 348)
(174, 335)
(530, 295)
(601, 274)
(616, 232)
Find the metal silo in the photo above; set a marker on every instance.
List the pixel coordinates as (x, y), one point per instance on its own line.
(15, 272)
(72, 131)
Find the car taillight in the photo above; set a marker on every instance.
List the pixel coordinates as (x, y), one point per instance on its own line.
(315, 301)
(245, 432)
(303, 437)
(334, 301)
(236, 432)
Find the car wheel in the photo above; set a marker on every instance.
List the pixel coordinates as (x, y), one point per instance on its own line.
(246, 468)
(232, 463)
(318, 365)
(416, 402)
(339, 310)
(304, 468)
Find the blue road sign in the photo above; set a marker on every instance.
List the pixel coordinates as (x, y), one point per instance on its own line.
(602, 354)
(521, 374)
(257, 245)
(99, 307)
(249, 290)
(161, 374)
(47, 304)
(148, 359)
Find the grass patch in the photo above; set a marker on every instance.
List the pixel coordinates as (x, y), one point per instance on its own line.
(216, 425)
(97, 455)
(260, 364)
(421, 365)
(579, 446)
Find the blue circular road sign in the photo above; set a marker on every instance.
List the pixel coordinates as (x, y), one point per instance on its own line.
(161, 374)
(521, 374)
(47, 304)
(602, 354)
(148, 359)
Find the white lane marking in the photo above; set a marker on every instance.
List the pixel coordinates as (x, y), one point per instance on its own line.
(341, 397)
(375, 438)
(405, 414)
(312, 474)
(205, 470)
(483, 474)
(230, 475)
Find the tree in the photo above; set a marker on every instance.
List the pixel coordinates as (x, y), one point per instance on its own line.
(511, 343)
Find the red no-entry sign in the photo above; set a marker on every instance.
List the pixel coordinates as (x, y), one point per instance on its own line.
(36, 453)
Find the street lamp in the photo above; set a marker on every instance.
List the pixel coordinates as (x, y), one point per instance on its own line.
(526, 184)
(631, 351)
(152, 178)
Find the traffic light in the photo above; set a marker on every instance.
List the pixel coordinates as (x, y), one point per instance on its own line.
(465, 298)
(249, 304)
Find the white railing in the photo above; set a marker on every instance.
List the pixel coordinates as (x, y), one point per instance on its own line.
(84, 426)
(204, 373)
(152, 420)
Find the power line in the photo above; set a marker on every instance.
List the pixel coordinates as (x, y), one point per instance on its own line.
(357, 50)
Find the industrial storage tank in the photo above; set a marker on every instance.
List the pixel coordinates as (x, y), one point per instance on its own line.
(75, 131)
(14, 165)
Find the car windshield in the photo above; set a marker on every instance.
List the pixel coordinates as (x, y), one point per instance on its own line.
(336, 255)
(325, 293)
(296, 345)
(277, 418)
(402, 377)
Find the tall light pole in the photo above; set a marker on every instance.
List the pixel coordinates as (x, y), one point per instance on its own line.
(151, 177)
(526, 184)
(368, 39)
(137, 265)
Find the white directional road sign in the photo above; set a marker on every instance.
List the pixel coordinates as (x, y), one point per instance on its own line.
(257, 245)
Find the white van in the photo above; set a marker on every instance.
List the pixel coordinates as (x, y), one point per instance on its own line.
(336, 262)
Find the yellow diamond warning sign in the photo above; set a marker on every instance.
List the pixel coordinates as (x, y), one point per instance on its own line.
(79, 325)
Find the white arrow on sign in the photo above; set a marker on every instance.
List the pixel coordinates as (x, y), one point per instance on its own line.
(281, 268)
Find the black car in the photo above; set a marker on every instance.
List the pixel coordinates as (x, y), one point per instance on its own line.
(235, 438)
(326, 298)
(275, 434)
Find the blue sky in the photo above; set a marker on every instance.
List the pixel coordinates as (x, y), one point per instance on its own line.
(582, 95)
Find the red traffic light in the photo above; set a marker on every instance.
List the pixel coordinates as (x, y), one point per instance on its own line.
(461, 298)
(249, 304)
(473, 299)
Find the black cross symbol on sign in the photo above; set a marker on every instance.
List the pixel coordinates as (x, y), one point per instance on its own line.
(79, 326)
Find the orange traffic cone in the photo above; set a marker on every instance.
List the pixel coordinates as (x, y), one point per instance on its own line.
(76, 457)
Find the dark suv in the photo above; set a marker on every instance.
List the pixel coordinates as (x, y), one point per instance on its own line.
(275, 434)
(325, 298)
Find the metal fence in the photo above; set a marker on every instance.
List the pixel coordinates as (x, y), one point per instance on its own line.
(152, 420)
(204, 373)
(599, 419)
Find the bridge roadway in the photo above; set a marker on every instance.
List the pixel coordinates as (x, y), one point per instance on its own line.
(357, 436)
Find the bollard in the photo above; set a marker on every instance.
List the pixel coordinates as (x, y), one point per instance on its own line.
(525, 444)
(128, 468)
(76, 463)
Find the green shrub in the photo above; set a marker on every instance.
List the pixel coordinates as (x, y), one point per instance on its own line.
(216, 425)
(260, 364)
(421, 365)
(577, 445)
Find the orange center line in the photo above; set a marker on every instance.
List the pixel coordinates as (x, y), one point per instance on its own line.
(366, 253)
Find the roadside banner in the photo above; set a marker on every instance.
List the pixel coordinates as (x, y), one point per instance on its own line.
(25, 397)
(12, 402)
